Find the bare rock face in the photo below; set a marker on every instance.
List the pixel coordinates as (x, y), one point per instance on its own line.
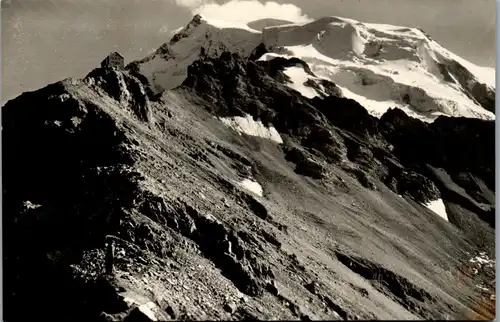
(99, 159)
(124, 88)
(482, 93)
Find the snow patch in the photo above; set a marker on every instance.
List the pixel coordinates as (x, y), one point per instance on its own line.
(29, 205)
(268, 56)
(375, 108)
(252, 186)
(438, 207)
(249, 126)
(298, 77)
(147, 309)
(482, 259)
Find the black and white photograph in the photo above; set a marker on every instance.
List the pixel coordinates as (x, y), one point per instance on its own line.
(248, 160)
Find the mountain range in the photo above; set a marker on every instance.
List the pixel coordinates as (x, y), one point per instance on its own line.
(380, 66)
(328, 170)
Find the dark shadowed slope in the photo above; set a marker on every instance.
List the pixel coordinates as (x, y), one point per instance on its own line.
(339, 231)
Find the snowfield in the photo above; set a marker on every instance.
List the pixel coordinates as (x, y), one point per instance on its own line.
(385, 68)
(380, 66)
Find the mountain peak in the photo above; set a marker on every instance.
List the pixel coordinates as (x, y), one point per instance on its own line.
(381, 66)
(186, 31)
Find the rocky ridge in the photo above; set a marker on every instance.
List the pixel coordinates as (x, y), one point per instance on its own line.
(340, 231)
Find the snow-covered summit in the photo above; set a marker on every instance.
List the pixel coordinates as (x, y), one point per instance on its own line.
(380, 66)
(383, 65)
(166, 68)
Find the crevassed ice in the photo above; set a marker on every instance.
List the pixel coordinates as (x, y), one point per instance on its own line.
(251, 127)
(401, 72)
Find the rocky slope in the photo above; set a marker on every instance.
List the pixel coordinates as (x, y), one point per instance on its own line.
(380, 66)
(319, 213)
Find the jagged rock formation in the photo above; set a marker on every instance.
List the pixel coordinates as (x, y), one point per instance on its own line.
(339, 232)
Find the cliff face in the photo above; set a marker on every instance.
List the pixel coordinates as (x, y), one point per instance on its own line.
(324, 221)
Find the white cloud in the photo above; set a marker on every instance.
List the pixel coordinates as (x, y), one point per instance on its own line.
(245, 11)
(191, 4)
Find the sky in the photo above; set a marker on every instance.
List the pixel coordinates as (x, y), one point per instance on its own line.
(44, 41)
